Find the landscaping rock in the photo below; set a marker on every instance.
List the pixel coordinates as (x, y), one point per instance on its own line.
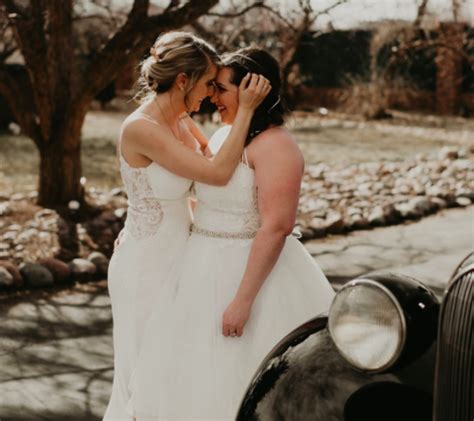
(14, 272)
(377, 216)
(463, 201)
(100, 261)
(6, 279)
(60, 270)
(82, 269)
(334, 223)
(318, 227)
(36, 275)
(5, 209)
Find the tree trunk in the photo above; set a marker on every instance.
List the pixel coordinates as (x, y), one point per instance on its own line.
(449, 62)
(60, 165)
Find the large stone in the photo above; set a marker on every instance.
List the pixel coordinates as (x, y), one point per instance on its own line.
(390, 214)
(377, 216)
(5, 255)
(318, 226)
(60, 270)
(357, 221)
(407, 211)
(421, 203)
(100, 261)
(14, 272)
(6, 279)
(36, 275)
(438, 202)
(82, 269)
(120, 213)
(334, 223)
(465, 192)
(463, 201)
(5, 209)
(351, 210)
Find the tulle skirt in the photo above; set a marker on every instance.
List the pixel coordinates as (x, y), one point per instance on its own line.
(137, 273)
(187, 369)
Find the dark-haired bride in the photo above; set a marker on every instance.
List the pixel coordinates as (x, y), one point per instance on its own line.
(243, 282)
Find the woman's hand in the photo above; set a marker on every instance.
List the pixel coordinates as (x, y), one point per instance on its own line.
(252, 91)
(235, 317)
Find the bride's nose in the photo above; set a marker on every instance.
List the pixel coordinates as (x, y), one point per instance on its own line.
(214, 96)
(212, 92)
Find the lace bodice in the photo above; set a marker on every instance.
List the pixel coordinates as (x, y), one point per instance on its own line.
(231, 208)
(152, 192)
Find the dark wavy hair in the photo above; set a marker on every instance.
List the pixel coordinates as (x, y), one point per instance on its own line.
(271, 111)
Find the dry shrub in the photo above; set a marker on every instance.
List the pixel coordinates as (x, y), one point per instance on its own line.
(373, 98)
(368, 98)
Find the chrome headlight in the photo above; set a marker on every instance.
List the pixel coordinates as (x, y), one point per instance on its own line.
(370, 317)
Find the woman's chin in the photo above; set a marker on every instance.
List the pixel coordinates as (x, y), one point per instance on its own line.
(224, 118)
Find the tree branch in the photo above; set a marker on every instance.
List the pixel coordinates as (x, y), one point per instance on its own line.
(420, 13)
(209, 36)
(329, 8)
(122, 43)
(135, 37)
(259, 3)
(59, 52)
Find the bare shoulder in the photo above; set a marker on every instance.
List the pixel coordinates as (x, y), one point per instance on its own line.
(276, 142)
(136, 130)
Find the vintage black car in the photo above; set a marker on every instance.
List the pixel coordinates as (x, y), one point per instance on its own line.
(387, 350)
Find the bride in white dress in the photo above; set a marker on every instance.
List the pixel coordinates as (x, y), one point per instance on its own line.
(158, 160)
(243, 281)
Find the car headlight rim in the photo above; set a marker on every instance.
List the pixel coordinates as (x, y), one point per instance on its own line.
(401, 315)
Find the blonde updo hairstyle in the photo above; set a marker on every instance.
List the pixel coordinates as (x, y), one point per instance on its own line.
(171, 54)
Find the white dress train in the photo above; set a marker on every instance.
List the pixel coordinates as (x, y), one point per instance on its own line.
(187, 370)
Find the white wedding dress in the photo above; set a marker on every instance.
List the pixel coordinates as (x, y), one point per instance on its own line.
(155, 232)
(187, 370)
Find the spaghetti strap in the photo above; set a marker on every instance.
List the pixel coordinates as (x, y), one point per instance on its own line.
(244, 157)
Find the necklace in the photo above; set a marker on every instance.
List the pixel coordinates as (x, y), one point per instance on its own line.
(178, 137)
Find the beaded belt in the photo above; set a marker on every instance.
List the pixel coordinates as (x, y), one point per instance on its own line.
(223, 234)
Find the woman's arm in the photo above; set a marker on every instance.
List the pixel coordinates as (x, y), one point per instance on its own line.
(278, 170)
(164, 149)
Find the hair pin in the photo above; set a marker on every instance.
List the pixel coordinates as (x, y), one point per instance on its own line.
(274, 105)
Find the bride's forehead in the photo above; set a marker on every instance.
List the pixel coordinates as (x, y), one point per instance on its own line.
(224, 74)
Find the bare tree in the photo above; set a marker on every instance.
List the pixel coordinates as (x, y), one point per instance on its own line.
(264, 24)
(447, 42)
(51, 96)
